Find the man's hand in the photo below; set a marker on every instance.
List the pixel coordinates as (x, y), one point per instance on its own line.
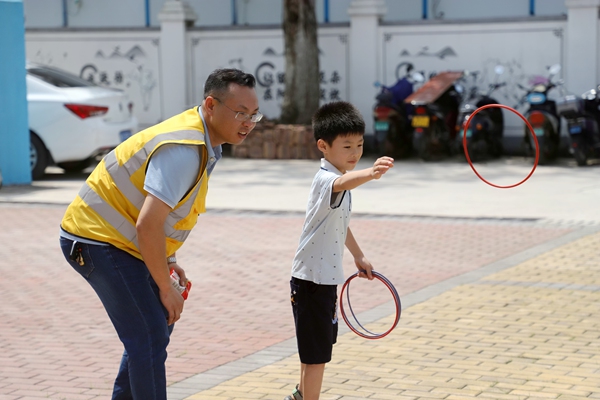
(173, 302)
(151, 237)
(381, 166)
(182, 277)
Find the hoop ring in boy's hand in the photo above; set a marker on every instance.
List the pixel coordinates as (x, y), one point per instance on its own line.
(362, 331)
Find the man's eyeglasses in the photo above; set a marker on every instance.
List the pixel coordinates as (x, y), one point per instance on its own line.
(242, 116)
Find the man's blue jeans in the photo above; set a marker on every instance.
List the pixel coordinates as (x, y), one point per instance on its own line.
(131, 299)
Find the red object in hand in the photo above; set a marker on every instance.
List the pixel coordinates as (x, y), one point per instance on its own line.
(184, 290)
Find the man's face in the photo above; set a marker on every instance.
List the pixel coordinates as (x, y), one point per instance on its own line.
(344, 152)
(225, 128)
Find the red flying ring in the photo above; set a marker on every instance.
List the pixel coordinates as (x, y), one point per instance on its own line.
(537, 147)
(367, 334)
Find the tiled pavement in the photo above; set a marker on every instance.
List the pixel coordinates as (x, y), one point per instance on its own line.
(498, 309)
(530, 331)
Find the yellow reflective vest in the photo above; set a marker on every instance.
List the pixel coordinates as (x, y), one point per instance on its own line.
(109, 203)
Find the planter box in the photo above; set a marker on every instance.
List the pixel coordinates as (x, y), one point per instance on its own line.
(272, 141)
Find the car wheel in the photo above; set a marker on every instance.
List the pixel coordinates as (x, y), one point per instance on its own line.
(74, 167)
(38, 157)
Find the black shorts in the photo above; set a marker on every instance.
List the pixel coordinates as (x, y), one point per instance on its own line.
(315, 315)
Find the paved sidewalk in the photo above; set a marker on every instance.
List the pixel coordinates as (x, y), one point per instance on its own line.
(561, 192)
(527, 331)
(500, 289)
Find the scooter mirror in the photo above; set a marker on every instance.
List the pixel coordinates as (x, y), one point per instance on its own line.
(417, 77)
(555, 69)
(499, 70)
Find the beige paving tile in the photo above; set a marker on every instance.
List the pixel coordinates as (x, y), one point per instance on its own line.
(484, 340)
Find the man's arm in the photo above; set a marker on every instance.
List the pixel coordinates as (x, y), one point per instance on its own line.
(359, 258)
(151, 238)
(353, 179)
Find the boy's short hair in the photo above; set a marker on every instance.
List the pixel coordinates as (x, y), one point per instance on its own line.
(218, 81)
(338, 118)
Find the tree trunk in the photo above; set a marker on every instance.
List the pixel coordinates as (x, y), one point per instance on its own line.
(302, 92)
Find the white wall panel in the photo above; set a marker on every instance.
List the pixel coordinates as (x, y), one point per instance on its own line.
(43, 13)
(127, 61)
(260, 52)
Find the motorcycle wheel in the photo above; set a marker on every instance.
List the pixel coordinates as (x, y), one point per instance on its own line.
(420, 144)
(580, 157)
(547, 153)
(399, 137)
(477, 150)
(433, 144)
(496, 146)
(548, 144)
(388, 147)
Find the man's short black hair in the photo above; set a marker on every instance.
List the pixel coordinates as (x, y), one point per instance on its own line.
(218, 81)
(338, 118)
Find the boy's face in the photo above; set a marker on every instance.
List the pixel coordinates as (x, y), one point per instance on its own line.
(344, 152)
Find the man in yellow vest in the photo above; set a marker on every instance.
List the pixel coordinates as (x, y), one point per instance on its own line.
(137, 208)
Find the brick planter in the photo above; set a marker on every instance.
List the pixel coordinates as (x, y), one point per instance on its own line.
(271, 141)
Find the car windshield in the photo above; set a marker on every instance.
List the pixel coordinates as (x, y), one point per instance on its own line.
(59, 78)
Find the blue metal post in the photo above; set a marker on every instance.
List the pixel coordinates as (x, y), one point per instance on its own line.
(425, 9)
(14, 131)
(147, 13)
(326, 9)
(234, 12)
(532, 7)
(65, 14)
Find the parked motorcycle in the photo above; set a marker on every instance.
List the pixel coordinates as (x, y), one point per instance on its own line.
(583, 119)
(391, 115)
(486, 128)
(436, 110)
(542, 116)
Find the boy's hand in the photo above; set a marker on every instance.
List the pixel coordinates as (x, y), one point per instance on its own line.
(364, 267)
(381, 166)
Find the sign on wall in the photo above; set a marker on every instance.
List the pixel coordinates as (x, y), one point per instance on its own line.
(128, 64)
(263, 56)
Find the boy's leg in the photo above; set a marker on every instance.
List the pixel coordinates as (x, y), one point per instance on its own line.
(311, 380)
(315, 315)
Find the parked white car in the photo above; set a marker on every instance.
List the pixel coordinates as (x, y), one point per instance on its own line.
(73, 121)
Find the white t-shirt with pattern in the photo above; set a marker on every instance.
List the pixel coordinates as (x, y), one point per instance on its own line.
(321, 248)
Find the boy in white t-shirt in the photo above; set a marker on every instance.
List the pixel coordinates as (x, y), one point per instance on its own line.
(317, 267)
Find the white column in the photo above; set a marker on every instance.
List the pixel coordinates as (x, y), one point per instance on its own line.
(174, 17)
(581, 69)
(364, 57)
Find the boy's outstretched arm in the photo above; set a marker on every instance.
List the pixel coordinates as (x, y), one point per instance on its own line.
(353, 179)
(359, 258)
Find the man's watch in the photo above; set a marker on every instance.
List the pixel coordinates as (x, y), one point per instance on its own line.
(171, 260)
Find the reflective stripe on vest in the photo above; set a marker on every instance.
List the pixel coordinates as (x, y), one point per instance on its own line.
(125, 227)
(113, 212)
(121, 174)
